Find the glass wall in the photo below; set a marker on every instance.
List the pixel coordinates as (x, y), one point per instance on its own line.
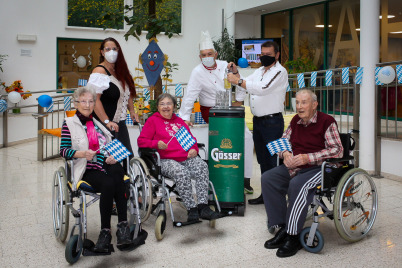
(277, 26)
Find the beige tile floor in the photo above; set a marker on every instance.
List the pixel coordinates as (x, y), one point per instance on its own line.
(27, 240)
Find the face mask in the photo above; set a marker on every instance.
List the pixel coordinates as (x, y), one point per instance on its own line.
(111, 56)
(267, 60)
(208, 61)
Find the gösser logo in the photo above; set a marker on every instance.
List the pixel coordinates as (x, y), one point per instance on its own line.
(218, 155)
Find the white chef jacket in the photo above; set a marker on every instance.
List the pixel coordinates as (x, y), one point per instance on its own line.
(267, 90)
(204, 84)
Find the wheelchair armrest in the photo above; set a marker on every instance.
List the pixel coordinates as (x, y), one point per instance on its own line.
(337, 160)
(200, 145)
(147, 151)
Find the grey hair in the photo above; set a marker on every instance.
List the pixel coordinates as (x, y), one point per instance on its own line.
(308, 91)
(82, 90)
(166, 95)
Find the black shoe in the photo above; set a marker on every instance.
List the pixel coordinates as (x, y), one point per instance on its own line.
(291, 247)
(278, 240)
(247, 187)
(123, 234)
(256, 201)
(103, 241)
(192, 215)
(207, 213)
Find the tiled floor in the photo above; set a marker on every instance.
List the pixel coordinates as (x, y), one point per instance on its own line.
(27, 239)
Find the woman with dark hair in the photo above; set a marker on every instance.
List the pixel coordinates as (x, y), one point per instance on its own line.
(115, 90)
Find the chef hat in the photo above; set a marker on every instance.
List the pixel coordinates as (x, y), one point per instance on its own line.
(205, 41)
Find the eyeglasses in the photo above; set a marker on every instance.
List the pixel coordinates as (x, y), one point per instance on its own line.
(107, 49)
(83, 102)
(165, 104)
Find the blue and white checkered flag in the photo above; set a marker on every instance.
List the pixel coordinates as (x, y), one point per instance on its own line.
(117, 149)
(67, 103)
(179, 90)
(377, 81)
(50, 108)
(300, 80)
(279, 145)
(314, 79)
(345, 75)
(129, 121)
(359, 76)
(328, 78)
(399, 73)
(199, 119)
(184, 138)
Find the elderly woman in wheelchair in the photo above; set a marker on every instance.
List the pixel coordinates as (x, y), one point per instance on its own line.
(289, 189)
(83, 138)
(176, 162)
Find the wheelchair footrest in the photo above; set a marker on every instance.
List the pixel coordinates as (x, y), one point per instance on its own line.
(138, 241)
(88, 249)
(185, 223)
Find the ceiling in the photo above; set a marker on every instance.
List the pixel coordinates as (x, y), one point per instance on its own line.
(277, 6)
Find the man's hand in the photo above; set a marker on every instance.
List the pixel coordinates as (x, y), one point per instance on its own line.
(291, 161)
(232, 67)
(237, 103)
(233, 79)
(162, 145)
(300, 160)
(188, 123)
(192, 153)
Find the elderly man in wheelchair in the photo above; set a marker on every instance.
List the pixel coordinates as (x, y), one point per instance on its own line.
(289, 189)
(83, 141)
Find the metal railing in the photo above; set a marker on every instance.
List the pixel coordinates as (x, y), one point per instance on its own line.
(342, 101)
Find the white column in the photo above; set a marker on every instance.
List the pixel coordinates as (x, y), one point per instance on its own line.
(369, 57)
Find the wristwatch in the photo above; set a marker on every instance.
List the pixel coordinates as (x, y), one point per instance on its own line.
(106, 121)
(240, 82)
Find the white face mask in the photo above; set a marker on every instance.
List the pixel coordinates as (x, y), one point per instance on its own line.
(208, 61)
(111, 56)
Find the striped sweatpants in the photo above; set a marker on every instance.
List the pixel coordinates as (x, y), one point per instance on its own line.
(276, 184)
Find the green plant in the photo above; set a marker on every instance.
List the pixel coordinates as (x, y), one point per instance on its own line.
(152, 107)
(300, 65)
(225, 46)
(169, 68)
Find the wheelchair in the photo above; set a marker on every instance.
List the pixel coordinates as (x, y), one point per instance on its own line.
(65, 193)
(152, 185)
(351, 192)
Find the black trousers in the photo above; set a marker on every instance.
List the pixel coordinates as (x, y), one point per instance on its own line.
(124, 138)
(111, 186)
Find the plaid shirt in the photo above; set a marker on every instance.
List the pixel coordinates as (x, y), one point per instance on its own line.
(333, 145)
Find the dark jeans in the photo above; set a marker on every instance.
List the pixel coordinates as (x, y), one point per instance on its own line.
(110, 186)
(265, 130)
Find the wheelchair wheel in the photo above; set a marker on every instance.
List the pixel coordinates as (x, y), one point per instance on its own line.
(160, 226)
(355, 205)
(318, 240)
(140, 175)
(73, 249)
(60, 210)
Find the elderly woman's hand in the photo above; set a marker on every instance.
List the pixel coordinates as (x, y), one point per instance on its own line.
(89, 155)
(162, 145)
(110, 160)
(192, 153)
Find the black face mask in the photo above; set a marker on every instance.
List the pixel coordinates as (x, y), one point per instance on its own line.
(267, 60)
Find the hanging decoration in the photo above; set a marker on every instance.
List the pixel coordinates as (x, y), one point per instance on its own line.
(89, 57)
(74, 58)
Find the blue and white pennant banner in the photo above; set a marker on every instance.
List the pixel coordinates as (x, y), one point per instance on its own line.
(314, 79)
(359, 76)
(300, 80)
(328, 78)
(164, 89)
(50, 108)
(399, 73)
(279, 145)
(377, 81)
(288, 88)
(67, 103)
(179, 90)
(345, 75)
(147, 94)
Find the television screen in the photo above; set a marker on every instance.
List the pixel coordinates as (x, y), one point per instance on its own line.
(251, 48)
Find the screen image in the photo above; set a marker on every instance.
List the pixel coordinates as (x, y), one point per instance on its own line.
(251, 49)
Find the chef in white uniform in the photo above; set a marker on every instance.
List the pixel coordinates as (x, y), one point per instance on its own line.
(205, 80)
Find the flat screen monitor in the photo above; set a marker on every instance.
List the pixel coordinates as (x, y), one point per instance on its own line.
(251, 48)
